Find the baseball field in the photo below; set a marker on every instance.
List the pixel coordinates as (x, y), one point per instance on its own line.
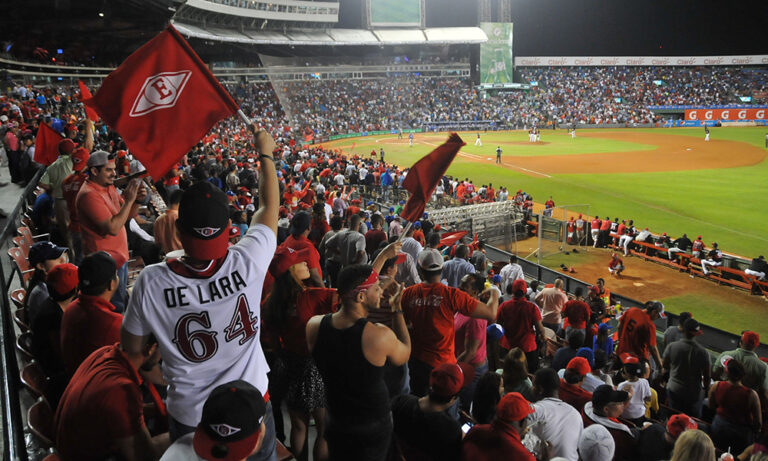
(669, 180)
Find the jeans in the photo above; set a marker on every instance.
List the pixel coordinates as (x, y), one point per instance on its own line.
(727, 435)
(468, 393)
(686, 401)
(360, 442)
(120, 298)
(267, 451)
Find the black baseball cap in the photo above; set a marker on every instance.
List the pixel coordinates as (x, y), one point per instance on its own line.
(203, 221)
(231, 423)
(299, 223)
(44, 251)
(692, 326)
(605, 394)
(96, 269)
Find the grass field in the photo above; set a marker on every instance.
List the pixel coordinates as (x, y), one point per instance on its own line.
(725, 205)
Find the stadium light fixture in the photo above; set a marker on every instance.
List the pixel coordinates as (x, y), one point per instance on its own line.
(101, 15)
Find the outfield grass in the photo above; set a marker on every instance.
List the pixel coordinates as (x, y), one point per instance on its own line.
(724, 205)
(717, 312)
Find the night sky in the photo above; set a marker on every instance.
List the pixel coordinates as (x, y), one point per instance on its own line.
(614, 27)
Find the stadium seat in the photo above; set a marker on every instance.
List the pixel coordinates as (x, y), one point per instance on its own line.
(282, 453)
(17, 297)
(26, 232)
(20, 317)
(21, 243)
(24, 345)
(21, 265)
(40, 421)
(52, 457)
(34, 379)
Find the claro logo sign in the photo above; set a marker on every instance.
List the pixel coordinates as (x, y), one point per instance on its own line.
(726, 114)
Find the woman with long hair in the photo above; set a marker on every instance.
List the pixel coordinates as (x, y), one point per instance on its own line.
(287, 310)
(693, 444)
(515, 373)
(739, 415)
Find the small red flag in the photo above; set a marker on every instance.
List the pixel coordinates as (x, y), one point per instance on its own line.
(162, 100)
(425, 174)
(85, 93)
(47, 145)
(449, 238)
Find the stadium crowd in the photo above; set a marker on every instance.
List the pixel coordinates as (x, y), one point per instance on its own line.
(266, 281)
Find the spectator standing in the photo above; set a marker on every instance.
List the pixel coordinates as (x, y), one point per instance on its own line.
(430, 307)
(510, 272)
(423, 428)
(675, 332)
(298, 241)
(164, 228)
(522, 325)
(171, 299)
(103, 214)
(688, 365)
(637, 333)
(375, 236)
(637, 387)
(471, 339)
(739, 413)
(553, 419)
(576, 313)
(478, 259)
(103, 404)
(51, 181)
(502, 438)
(349, 244)
(455, 269)
(755, 370)
(350, 353)
(412, 246)
(70, 187)
(90, 322)
(552, 300)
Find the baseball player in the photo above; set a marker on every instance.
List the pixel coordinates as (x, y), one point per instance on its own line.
(203, 308)
(478, 142)
(498, 154)
(706, 133)
(616, 265)
(410, 139)
(573, 131)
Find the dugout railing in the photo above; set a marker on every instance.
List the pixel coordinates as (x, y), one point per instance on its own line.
(713, 339)
(13, 444)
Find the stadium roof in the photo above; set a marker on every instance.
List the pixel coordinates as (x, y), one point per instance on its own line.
(428, 36)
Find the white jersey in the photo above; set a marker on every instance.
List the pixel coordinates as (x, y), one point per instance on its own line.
(206, 322)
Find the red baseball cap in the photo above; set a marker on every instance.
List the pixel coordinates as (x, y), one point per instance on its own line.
(66, 146)
(626, 358)
(680, 423)
(79, 158)
(62, 279)
(579, 364)
(519, 285)
(234, 231)
(513, 407)
(286, 257)
(750, 339)
(448, 379)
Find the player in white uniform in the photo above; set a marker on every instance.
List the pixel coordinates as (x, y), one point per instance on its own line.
(204, 307)
(478, 142)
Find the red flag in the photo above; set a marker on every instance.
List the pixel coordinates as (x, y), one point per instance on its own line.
(162, 100)
(47, 145)
(449, 238)
(85, 93)
(425, 174)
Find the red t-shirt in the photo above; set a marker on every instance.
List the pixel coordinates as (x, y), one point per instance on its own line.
(89, 323)
(605, 225)
(70, 186)
(475, 329)
(96, 204)
(311, 302)
(102, 403)
(576, 314)
(574, 395)
(518, 317)
(430, 308)
(636, 333)
(373, 239)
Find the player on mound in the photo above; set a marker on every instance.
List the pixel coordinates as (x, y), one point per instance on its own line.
(616, 265)
(478, 142)
(498, 154)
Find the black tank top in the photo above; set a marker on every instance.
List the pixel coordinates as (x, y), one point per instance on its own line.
(354, 387)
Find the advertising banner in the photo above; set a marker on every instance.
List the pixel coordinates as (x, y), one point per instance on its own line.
(559, 61)
(759, 113)
(496, 59)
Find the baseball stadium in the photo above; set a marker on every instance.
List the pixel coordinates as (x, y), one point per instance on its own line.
(449, 229)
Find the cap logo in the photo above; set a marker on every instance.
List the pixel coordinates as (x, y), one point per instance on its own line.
(207, 231)
(224, 430)
(160, 91)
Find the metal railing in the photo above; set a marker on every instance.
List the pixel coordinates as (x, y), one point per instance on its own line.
(14, 447)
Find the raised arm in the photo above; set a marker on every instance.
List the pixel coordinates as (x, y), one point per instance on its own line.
(488, 310)
(269, 192)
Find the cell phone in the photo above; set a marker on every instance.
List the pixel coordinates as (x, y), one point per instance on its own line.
(467, 426)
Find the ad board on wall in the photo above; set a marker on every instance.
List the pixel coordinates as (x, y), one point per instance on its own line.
(496, 59)
(759, 113)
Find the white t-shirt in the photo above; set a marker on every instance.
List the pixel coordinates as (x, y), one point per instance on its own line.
(182, 450)
(207, 325)
(560, 424)
(642, 391)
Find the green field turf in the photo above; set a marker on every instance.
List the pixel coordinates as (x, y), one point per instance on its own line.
(727, 206)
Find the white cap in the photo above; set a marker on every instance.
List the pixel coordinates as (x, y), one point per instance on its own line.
(596, 444)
